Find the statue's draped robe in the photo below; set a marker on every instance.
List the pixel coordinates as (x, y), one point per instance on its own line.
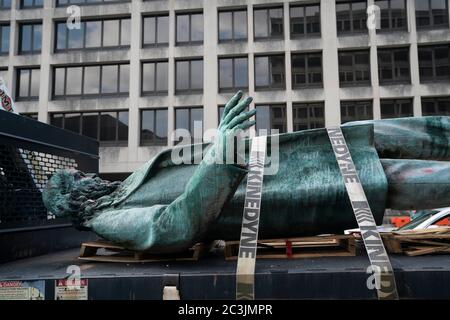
(166, 207)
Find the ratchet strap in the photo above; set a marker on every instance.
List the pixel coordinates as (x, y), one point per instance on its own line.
(245, 273)
(379, 260)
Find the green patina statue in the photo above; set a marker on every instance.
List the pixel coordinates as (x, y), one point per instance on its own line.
(166, 206)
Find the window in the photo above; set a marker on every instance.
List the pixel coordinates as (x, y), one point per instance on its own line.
(190, 119)
(356, 111)
(189, 76)
(29, 4)
(431, 14)
(109, 127)
(91, 81)
(271, 117)
(30, 38)
(308, 116)
(269, 72)
(93, 34)
(155, 31)
(393, 14)
(268, 23)
(154, 127)
(396, 108)
(351, 17)
(393, 65)
(27, 87)
(233, 74)
(4, 39)
(63, 3)
(155, 78)
(189, 28)
(4, 73)
(5, 4)
(436, 106)
(306, 70)
(305, 20)
(354, 67)
(233, 25)
(434, 62)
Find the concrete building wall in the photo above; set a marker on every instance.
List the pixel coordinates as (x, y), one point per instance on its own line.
(127, 159)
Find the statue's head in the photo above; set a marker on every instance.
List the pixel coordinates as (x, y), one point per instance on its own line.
(69, 192)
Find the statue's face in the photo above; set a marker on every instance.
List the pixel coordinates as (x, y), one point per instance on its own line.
(59, 188)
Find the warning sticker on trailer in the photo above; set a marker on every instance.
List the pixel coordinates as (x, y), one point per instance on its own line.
(22, 290)
(71, 289)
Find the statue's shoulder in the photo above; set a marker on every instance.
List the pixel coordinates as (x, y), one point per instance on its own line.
(137, 178)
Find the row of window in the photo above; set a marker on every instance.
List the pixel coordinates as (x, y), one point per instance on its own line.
(31, 4)
(111, 127)
(96, 81)
(232, 25)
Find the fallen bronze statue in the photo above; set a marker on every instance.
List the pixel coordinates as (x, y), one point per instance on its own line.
(166, 207)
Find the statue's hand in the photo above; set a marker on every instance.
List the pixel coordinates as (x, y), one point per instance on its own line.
(234, 119)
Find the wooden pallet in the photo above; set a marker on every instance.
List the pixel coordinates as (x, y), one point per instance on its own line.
(418, 242)
(293, 248)
(104, 251)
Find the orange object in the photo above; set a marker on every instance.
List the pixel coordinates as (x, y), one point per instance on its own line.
(399, 222)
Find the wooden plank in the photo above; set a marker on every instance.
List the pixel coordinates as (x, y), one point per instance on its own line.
(114, 253)
(307, 247)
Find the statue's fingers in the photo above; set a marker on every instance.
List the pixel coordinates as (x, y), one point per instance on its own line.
(245, 125)
(241, 118)
(237, 110)
(231, 103)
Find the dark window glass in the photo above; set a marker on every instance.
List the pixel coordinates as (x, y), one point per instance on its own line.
(305, 20)
(155, 77)
(30, 38)
(396, 108)
(351, 16)
(154, 127)
(306, 70)
(156, 31)
(91, 81)
(393, 14)
(233, 74)
(434, 63)
(269, 72)
(4, 39)
(190, 119)
(268, 23)
(29, 4)
(95, 34)
(90, 124)
(354, 67)
(436, 106)
(109, 127)
(31, 115)
(308, 115)
(72, 122)
(356, 111)
(393, 65)
(5, 4)
(431, 13)
(189, 76)
(233, 25)
(189, 28)
(28, 84)
(271, 117)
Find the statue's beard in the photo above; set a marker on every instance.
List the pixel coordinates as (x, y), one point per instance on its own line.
(87, 194)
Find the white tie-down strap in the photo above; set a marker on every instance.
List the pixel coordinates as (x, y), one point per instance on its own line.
(379, 260)
(245, 273)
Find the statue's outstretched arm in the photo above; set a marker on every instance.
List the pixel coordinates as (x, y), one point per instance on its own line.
(173, 227)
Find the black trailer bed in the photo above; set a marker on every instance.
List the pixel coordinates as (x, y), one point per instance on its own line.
(425, 277)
